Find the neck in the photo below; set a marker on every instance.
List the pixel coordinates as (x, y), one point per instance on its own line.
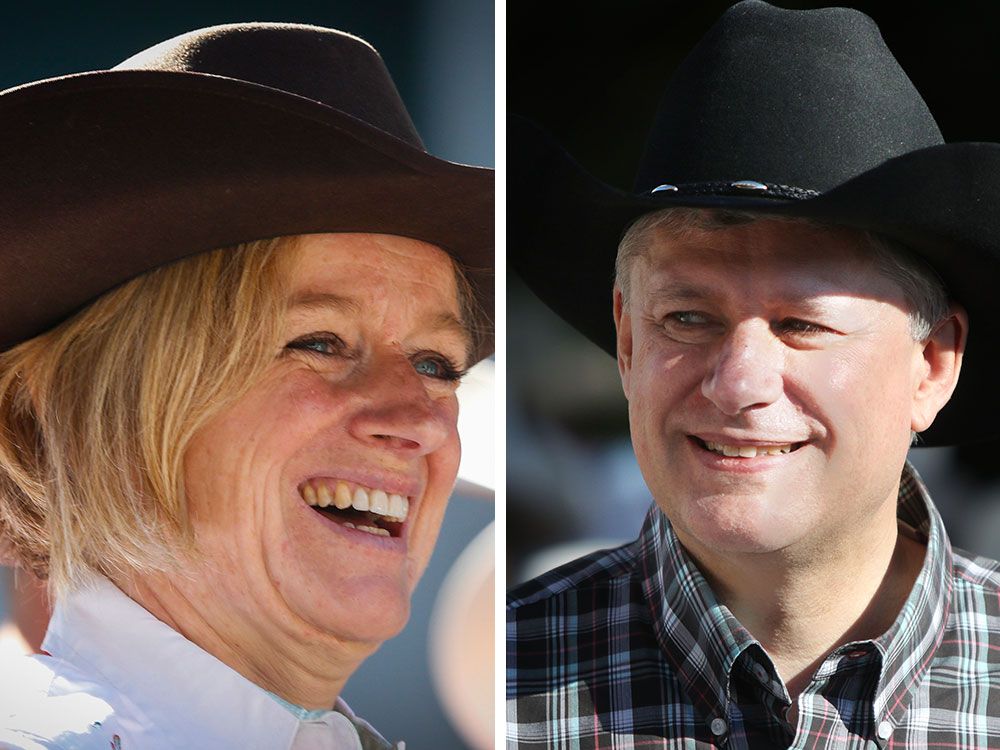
(286, 656)
(802, 604)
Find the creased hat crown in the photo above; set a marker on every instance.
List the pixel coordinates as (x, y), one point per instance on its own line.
(325, 65)
(807, 99)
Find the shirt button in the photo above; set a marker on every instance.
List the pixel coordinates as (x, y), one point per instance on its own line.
(760, 673)
(884, 730)
(718, 726)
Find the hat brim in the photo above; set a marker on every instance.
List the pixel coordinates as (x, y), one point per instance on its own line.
(111, 174)
(564, 227)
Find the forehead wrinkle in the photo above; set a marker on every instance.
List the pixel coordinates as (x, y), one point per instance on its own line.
(324, 300)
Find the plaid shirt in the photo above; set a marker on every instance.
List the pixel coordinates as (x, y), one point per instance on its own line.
(629, 648)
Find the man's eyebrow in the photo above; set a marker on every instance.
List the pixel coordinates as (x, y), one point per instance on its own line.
(680, 291)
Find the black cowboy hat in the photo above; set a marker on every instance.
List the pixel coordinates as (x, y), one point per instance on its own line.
(797, 113)
(219, 136)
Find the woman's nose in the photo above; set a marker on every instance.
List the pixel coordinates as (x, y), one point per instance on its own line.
(747, 371)
(399, 412)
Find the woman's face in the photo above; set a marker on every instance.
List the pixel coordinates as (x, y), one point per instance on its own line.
(359, 410)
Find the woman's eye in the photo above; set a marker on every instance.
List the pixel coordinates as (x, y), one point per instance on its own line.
(438, 367)
(325, 344)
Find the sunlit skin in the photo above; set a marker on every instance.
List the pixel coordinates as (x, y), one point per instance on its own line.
(773, 333)
(362, 388)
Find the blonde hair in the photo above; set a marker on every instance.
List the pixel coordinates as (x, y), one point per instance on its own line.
(97, 413)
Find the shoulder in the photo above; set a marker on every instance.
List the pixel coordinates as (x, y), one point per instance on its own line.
(578, 615)
(46, 703)
(598, 570)
(976, 572)
(974, 610)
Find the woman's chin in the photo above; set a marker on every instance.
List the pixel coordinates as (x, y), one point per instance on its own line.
(367, 609)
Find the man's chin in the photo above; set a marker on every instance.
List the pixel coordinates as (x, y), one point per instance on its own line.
(734, 524)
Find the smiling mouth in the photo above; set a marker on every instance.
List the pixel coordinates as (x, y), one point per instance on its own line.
(746, 450)
(365, 509)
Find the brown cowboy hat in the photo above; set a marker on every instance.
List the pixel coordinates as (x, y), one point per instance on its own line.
(219, 136)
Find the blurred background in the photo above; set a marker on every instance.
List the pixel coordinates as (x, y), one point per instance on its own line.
(428, 685)
(594, 80)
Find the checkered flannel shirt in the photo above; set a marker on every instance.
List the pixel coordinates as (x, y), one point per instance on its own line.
(629, 648)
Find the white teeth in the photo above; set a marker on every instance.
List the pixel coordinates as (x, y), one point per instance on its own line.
(374, 530)
(360, 500)
(748, 451)
(398, 506)
(379, 503)
(324, 493)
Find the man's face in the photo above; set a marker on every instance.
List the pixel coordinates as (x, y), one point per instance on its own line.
(782, 344)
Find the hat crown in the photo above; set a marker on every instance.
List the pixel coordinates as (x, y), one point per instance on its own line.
(807, 99)
(324, 65)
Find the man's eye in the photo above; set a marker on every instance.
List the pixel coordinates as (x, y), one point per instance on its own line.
(689, 318)
(324, 344)
(437, 366)
(795, 325)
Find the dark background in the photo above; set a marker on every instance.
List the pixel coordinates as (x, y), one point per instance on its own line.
(593, 78)
(441, 56)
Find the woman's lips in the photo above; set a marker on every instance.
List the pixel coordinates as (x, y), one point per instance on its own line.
(367, 509)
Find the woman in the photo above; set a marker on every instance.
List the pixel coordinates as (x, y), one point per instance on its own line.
(231, 464)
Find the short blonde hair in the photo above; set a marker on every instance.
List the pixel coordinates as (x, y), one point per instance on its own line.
(97, 413)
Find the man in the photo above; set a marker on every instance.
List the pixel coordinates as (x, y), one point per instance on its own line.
(804, 263)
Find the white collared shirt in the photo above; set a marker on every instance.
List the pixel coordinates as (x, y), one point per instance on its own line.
(116, 677)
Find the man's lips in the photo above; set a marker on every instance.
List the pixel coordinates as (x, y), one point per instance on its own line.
(743, 448)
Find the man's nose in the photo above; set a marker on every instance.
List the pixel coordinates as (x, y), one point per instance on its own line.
(747, 371)
(398, 412)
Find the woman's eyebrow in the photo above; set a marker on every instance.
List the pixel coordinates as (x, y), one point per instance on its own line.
(445, 322)
(314, 300)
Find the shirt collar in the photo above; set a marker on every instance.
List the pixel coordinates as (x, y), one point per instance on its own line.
(703, 640)
(172, 683)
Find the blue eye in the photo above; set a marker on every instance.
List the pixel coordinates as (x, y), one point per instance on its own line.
(437, 367)
(428, 367)
(689, 318)
(324, 344)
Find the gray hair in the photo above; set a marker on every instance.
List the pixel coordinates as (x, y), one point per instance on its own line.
(923, 289)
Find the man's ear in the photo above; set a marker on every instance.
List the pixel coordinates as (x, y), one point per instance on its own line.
(623, 327)
(939, 368)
